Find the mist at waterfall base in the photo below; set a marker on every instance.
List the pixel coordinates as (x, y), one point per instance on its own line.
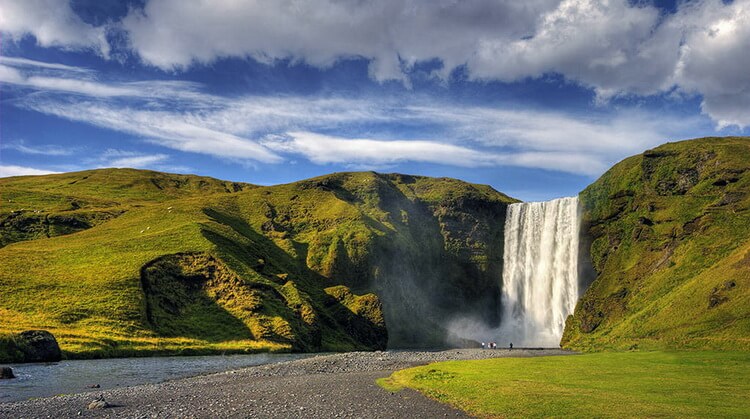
(540, 284)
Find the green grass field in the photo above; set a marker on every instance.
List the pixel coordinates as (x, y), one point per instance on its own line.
(123, 262)
(616, 384)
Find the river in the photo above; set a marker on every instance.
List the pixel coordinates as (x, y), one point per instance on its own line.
(77, 376)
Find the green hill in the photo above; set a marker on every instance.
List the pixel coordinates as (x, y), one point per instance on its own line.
(669, 235)
(128, 262)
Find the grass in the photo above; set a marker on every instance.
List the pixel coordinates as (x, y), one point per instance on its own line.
(619, 384)
(670, 234)
(243, 268)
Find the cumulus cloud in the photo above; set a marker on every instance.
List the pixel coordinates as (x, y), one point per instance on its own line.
(714, 59)
(615, 47)
(391, 34)
(52, 23)
(10, 170)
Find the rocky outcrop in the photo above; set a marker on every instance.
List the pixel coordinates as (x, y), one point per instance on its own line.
(29, 346)
(6, 373)
(39, 346)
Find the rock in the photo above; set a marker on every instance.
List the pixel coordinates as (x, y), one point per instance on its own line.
(39, 346)
(98, 403)
(716, 298)
(94, 386)
(6, 373)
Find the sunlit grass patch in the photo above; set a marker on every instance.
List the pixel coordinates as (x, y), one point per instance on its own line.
(629, 384)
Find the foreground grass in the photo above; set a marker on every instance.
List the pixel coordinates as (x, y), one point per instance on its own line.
(674, 384)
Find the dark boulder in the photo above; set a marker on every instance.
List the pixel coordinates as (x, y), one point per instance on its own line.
(6, 373)
(39, 346)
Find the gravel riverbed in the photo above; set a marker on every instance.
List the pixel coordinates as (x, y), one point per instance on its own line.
(331, 386)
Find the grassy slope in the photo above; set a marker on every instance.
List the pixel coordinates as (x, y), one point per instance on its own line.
(84, 287)
(428, 247)
(34, 207)
(268, 261)
(671, 246)
(641, 384)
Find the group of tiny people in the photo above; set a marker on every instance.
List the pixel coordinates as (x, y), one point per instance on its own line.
(493, 345)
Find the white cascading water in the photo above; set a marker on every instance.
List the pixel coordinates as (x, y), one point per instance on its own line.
(540, 271)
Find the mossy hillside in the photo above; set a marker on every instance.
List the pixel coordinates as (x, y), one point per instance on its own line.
(270, 258)
(70, 202)
(86, 287)
(430, 248)
(670, 240)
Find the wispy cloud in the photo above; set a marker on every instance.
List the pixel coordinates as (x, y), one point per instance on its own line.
(10, 170)
(370, 153)
(113, 157)
(349, 131)
(27, 63)
(42, 150)
(119, 158)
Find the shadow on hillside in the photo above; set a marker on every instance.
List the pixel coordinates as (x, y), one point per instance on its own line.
(278, 269)
(177, 301)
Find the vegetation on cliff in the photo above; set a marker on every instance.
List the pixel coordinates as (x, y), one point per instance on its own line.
(152, 263)
(669, 235)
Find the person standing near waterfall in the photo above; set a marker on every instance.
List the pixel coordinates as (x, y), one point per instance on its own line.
(510, 347)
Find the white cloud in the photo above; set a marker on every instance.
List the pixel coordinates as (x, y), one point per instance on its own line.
(52, 23)
(374, 153)
(391, 34)
(714, 59)
(174, 130)
(10, 170)
(616, 47)
(355, 132)
(43, 150)
(82, 81)
(137, 161)
(323, 149)
(26, 63)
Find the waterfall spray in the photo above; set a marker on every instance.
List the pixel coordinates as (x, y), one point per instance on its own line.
(540, 272)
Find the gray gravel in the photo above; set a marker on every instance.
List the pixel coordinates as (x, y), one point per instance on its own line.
(331, 386)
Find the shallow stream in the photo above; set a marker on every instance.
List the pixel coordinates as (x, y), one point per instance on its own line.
(68, 377)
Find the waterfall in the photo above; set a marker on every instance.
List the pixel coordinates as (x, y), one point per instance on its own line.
(540, 271)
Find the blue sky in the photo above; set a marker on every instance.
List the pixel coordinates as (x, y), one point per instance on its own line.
(535, 98)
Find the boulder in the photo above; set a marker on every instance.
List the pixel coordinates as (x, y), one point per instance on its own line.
(6, 373)
(98, 403)
(39, 346)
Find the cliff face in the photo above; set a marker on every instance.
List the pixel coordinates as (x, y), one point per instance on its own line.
(431, 249)
(667, 233)
(160, 263)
